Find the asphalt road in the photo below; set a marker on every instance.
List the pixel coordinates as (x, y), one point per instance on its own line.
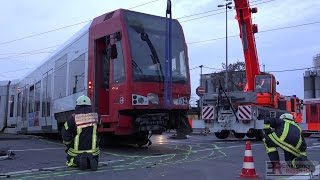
(198, 157)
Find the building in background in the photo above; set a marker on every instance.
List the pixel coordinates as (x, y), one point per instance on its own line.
(312, 80)
(311, 104)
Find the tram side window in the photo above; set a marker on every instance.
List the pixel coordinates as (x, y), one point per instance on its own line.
(49, 96)
(46, 95)
(37, 96)
(60, 75)
(24, 103)
(31, 99)
(60, 85)
(11, 105)
(76, 75)
(19, 105)
(118, 65)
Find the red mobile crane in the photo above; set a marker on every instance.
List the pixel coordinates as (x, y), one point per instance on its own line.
(256, 80)
(243, 112)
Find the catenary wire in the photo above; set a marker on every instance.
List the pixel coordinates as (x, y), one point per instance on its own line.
(64, 27)
(268, 30)
(190, 43)
(75, 24)
(195, 42)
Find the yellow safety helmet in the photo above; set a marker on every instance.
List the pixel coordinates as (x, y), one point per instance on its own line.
(83, 101)
(287, 116)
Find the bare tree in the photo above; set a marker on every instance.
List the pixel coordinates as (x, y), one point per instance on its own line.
(237, 76)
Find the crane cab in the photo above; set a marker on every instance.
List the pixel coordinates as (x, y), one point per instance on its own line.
(265, 86)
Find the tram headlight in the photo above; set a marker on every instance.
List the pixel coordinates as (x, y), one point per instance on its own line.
(153, 98)
(139, 100)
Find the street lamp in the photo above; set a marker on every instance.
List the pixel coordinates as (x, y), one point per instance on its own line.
(227, 5)
(201, 66)
(201, 97)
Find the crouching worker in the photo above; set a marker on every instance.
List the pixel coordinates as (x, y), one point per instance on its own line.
(283, 132)
(79, 134)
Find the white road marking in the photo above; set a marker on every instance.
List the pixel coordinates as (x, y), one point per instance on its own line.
(312, 147)
(49, 168)
(239, 146)
(60, 167)
(299, 176)
(198, 143)
(42, 149)
(228, 147)
(108, 162)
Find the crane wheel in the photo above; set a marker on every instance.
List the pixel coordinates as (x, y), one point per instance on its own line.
(239, 135)
(223, 134)
(259, 135)
(250, 135)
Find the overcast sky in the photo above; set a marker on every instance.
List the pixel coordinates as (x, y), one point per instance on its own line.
(290, 48)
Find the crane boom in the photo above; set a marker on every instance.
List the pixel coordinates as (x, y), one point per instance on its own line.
(247, 30)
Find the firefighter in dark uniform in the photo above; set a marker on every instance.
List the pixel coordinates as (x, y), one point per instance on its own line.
(80, 135)
(283, 132)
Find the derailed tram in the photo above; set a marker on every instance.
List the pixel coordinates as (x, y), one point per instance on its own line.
(118, 60)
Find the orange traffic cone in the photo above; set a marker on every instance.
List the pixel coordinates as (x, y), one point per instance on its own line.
(248, 170)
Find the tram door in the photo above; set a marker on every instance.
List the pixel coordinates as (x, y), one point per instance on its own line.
(102, 75)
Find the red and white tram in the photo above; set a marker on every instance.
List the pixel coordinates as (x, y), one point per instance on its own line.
(118, 60)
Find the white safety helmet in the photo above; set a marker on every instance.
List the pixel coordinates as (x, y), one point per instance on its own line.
(287, 116)
(83, 101)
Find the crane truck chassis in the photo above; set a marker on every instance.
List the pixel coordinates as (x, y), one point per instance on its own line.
(236, 112)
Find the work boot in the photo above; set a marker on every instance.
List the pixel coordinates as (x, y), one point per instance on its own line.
(275, 166)
(309, 165)
(93, 162)
(303, 162)
(83, 161)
